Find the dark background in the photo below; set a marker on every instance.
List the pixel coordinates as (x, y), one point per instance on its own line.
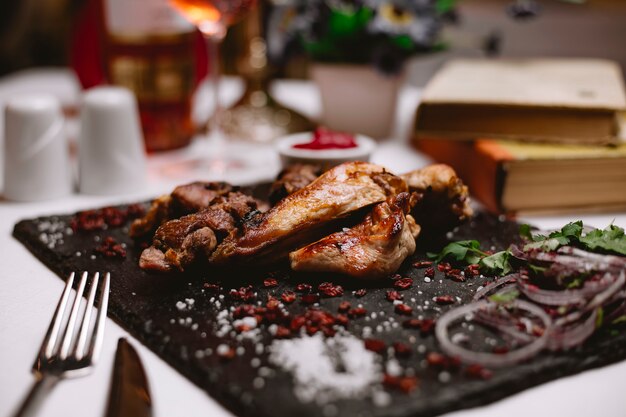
(36, 32)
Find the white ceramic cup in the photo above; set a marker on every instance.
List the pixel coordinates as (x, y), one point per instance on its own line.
(36, 164)
(111, 155)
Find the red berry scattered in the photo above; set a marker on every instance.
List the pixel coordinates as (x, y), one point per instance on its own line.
(478, 372)
(242, 294)
(357, 312)
(375, 345)
(444, 267)
(401, 349)
(270, 282)
(344, 306)
(429, 272)
(404, 309)
(90, 220)
(439, 360)
(394, 295)
(214, 288)
(405, 384)
(282, 332)
(403, 283)
(360, 293)
(310, 298)
(422, 264)
(245, 310)
(111, 249)
(330, 290)
(288, 297)
(302, 287)
(455, 275)
(425, 326)
(444, 299)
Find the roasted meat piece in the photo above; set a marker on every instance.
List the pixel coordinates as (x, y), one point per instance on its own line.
(185, 199)
(443, 200)
(179, 243)
(374, 248)
(292, 179)
(310, 213)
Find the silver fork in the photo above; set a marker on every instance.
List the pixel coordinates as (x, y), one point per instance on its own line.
(61, 354)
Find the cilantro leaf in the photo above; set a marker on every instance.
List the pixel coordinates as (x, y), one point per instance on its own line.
(463, 250)
(497, 263)
(610, 239)
(525, 231)
(569, 233)
(504, 297)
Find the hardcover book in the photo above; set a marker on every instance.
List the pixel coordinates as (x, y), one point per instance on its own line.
(511, 177)
(562, 100)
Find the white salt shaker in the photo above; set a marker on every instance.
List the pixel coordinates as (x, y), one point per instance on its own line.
(36, 164)
(111, 155)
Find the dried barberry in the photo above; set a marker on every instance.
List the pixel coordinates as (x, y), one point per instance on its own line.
(214, 288)
(422, 264)
(288, 297)
(429, 272)
(344, 306)
(444, 299)
(375, 345)
(357, 312)
(394, 295)
(282, 332)
(405, 384)
(111, 249)
(360, 293)
(404, 309)
(401, 349)
(455, 275)
(302, 287)
(310, 298)
(330, 290)
(478, 372)
(270, 282)
(403, 283)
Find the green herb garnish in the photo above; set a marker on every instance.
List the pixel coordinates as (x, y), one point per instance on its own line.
(611, 239)
(469, 251)
(504, 297)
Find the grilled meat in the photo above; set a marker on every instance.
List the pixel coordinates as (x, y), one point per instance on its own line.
(190, 239)
(443, 200)
(185, 199)
(374, 248)
(292, 179)
(310, 213)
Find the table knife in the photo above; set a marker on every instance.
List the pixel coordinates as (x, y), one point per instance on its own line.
(130, 393)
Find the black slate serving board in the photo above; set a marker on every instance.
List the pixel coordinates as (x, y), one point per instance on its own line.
(146, 305)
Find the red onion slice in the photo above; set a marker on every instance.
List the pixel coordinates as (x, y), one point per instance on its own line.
(486, 358)
(597, 301)
(612, 260)
(489, 288)
(565, 337)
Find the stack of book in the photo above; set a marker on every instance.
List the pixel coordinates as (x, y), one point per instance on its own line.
(529, 135)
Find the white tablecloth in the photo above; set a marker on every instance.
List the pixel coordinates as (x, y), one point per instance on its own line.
(29, 292)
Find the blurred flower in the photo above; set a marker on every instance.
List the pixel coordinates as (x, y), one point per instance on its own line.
(384, 33)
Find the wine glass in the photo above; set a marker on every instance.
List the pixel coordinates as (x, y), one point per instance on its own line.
(212, 18)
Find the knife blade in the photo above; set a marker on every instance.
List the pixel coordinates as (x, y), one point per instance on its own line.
(130, 394)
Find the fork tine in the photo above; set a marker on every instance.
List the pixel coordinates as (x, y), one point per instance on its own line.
(71, 323)
(98, 333)
(79, 350)
(49, 341)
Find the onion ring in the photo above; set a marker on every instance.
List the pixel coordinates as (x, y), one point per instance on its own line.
(485, 358)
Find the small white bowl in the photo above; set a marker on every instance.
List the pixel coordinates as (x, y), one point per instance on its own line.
(327, 158)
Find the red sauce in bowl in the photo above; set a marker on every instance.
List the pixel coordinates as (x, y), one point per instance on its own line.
(328, 139)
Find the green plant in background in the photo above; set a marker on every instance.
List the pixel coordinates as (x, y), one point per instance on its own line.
(384, 33)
